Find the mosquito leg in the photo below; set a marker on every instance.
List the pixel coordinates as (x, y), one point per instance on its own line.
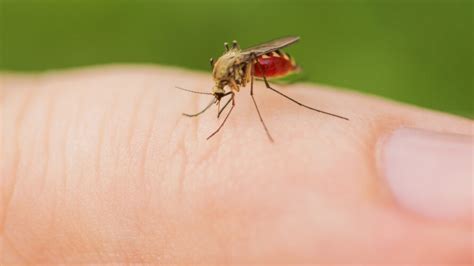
(256, 107)
(197, 92)
(291, 99)
(223, 108)
(219, 110)
(295, 101)
(225, 119)
(205, 109)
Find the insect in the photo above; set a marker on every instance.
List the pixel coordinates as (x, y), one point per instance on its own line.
(236, 68)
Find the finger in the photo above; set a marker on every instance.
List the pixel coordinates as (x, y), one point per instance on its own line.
(102, 167)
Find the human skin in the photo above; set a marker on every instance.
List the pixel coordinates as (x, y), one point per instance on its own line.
(99, 166)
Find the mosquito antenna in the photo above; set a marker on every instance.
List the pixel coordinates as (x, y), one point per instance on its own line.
(203, 110)
(197, 92)
(303, 105)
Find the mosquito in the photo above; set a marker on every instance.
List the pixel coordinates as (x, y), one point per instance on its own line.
(236, 68)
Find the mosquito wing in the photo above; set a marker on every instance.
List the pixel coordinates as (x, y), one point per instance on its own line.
(270, 46)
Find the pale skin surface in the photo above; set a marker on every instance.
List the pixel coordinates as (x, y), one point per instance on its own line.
(99, 166)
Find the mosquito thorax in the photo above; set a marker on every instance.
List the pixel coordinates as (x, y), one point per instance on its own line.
(224, 68)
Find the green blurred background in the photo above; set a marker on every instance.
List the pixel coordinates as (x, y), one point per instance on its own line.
(419, 52)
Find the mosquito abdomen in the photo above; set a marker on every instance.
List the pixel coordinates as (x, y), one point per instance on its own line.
(274, 64)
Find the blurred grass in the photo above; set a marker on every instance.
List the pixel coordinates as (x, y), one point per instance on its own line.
(419, 52)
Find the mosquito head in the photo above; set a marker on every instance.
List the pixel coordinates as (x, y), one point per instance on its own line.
(218, 90)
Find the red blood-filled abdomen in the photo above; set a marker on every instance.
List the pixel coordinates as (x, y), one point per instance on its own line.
(273, 66)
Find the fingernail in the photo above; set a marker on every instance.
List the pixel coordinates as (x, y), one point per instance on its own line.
(430, 173)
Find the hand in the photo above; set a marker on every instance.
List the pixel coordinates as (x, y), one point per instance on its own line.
(100, 166)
